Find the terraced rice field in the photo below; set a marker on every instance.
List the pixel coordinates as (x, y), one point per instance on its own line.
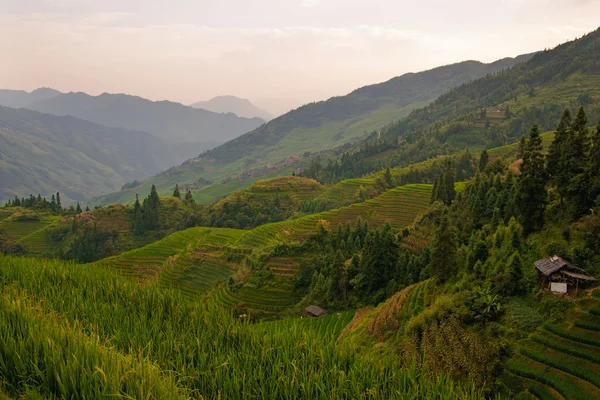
(269, 300)
(195, 275)
(328, 326)
(5, 214)
(16, 230)
(38, 242)
(284, 266)
(562, 360)
(346, 190)
(399, 207)
(149, 260)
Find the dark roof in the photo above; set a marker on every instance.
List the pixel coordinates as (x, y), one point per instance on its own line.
(316, 311)
(579, 276)
(550, 265)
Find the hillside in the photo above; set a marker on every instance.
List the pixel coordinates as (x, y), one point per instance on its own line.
(232, 104)
(491, 111)
(280, 146)
(164, 119)
(43, 153)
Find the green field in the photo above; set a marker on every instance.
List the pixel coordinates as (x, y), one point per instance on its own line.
(399, 207)
(560, 358)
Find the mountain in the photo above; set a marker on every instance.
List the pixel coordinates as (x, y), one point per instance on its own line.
(43, 153)
(497, 109)
(164, 119)
(231, 104)
(21, 98)
(315, 127)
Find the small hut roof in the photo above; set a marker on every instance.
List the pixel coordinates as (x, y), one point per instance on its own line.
(316, 311)
(550, 265)
(579, 276)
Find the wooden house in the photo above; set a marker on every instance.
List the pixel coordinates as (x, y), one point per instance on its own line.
(560, 276)
(314, 311)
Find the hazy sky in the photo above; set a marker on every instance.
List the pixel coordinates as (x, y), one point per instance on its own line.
(277, 53)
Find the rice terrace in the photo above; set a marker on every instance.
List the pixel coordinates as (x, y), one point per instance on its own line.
(434, 234)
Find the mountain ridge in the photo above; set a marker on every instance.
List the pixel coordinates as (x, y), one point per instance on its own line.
(44, 153)
(166, 119)
(233, 104)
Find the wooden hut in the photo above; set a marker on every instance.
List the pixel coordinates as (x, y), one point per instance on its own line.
(314, 311)
(561, 276)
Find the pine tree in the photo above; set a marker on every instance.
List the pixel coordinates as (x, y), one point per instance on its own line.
(532, 195)
(176, 192)
(483, 160)
(593, 168)
(557, 154)
(445, 245)
(388, 178)
(87, 208)
(521, 147)
(58, 205)
(78, 208)
(189, 198)
(514, 273)
(52, 203)
(577, 192)
(448, 192)
(137, 217)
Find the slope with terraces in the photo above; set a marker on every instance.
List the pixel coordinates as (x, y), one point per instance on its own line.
(560, 360)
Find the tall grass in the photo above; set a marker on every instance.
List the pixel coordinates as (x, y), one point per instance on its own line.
(98, 319)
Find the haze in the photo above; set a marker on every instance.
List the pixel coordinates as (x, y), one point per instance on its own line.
(277, 53)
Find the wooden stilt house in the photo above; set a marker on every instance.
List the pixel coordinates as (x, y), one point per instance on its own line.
(560, 276)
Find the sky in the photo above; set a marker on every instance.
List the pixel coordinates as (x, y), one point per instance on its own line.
(277, 53)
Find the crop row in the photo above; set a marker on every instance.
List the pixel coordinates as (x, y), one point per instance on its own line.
(581, 336)
(575, 366)
(590, 322)
(565, 384)
(567, 346)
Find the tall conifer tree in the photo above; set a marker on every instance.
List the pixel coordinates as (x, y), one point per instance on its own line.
(532, 195)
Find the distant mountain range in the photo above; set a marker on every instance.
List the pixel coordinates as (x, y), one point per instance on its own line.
(316, 127)
(43, 153)
(232, 104)
(164, 119)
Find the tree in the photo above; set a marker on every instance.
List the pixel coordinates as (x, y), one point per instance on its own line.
(514, 273)
(483, 160)
(557, 154)
(521, 147)
(448, 191)
(443, 186)
(445, 245)
(137, 217)
(78, 208)
(176, 192)
(577, 154)
(388, 178)
(58, 205)
(532, 195)
(593, 169)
